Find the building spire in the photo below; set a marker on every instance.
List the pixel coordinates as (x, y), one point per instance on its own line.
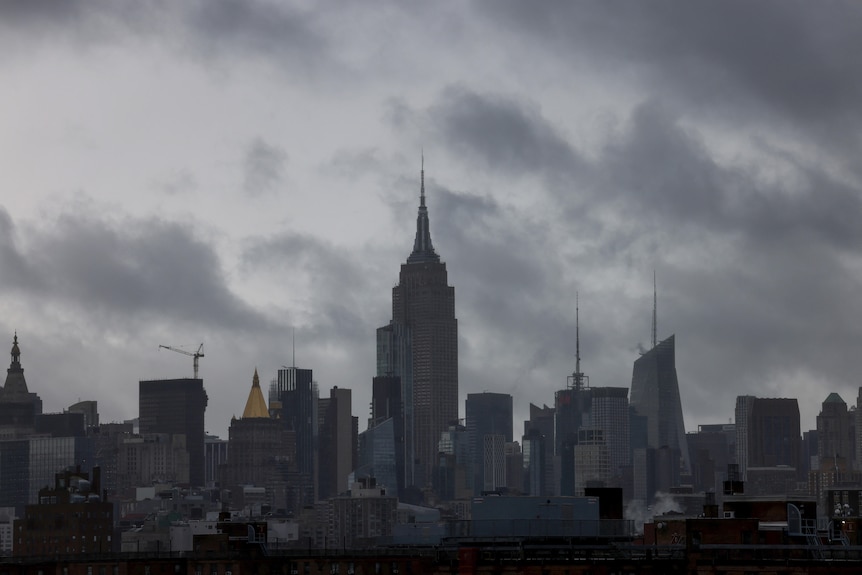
(654, 312)
(255, 406)
(423, 249)
(578, 377)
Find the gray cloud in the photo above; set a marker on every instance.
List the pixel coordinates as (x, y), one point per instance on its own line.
(126, 268)
(263, 167)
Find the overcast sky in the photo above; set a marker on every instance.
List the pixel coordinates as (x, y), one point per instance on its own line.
(229, 171)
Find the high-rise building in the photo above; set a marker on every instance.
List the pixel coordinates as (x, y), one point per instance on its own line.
(534, 452)
(539, 430)
(420, 345)
(337, 441)
(487, 414)
(297, 394)
(387, 404)
(770, 435)
(609, 412)
(655, 394)
(835, 434)
(740, 413)
(18, 406)
(176, 407)
(259, 448)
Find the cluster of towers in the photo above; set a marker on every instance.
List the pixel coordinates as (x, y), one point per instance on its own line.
(297, 448)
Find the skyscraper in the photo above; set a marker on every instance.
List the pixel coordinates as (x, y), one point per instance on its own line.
(176, 407)
(655, 394)
(297, 395)
(420, 345)
(257, 443)
(18, 406)
(488, 414)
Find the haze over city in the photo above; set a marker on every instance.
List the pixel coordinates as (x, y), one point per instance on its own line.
(233, 173)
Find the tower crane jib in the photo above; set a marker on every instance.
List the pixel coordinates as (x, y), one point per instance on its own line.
(195, 355)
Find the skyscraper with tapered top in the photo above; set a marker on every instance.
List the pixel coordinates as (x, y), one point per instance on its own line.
(655, 396)
(420, 345)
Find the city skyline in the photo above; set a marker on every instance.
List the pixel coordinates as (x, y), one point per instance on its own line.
(228, 172)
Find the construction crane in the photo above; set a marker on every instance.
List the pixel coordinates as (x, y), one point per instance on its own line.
(198, 354)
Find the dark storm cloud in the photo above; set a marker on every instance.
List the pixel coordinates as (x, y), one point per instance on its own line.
(491, 132)
(263, 167)
(133, 268)
(208, 29)
(17, 273)
(785, 66)
(663, 174)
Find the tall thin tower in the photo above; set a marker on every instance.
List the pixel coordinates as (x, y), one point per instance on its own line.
(420, 345)
(655, 395)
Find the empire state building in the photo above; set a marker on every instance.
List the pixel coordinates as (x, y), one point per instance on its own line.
(420, 345)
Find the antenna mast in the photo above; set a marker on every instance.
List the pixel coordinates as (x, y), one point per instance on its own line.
(578, 378)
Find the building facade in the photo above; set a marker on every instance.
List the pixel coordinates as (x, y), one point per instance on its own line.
(655, 395)
(176, 407)
(487, 414)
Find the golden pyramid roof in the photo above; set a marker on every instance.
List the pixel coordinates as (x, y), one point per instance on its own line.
(256, 405)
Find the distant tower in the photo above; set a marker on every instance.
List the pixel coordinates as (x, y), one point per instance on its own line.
(256, 445)
(420, 345)
(177, 407)
(298, 395)
(487, 414)
(655, 396)
(18, 406)
(572, 407)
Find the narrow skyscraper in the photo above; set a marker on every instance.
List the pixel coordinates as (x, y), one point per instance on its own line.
(655, 395)
(420, 345)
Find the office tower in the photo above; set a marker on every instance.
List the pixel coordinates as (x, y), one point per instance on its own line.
(257, 444)
(514, 468)
(740, 414)
(297, 393)
(215, 455)
(655, 395)
(835, 434)
(535, 470)
(66, 424)
(609, 412)
(771, 432)
(453, 477)
(488, 414)
(51, 455)
(107, 440)
(18, 406)
(337, 442)
(386, 404)
(90, 410)
(377, 454)
(493, 462)
(592, 461)
(541, 420)
(176, 407)
(152, 458)
(711, 447)
(420, 345)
